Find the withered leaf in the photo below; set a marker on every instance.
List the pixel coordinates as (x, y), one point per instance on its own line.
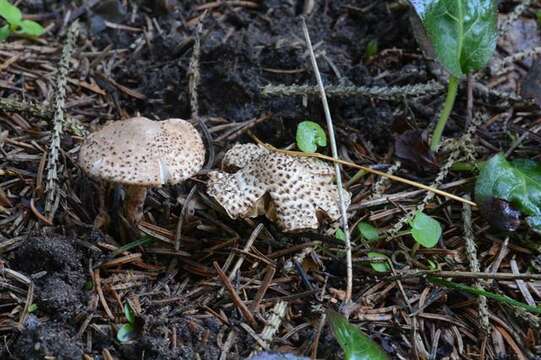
(500, 214)
(412, 148)
(531, 86)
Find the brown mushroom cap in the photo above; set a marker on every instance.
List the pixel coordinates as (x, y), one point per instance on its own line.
(139, 151)
(299, 189)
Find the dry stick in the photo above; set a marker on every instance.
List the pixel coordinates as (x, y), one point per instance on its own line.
(521, 284)
(330, 129)
(315, 345)
(273, 322)
(178, 234)
(194, 79)
(465, 275)
(380, 92)
(369, 170)
(471, 252)
(234, 296)
(227, 345)
(97, 280)
(34, 109)
(265, 284)
(469, 235)
(384, 199)
(51, 189)
(246, 248)
(240, 260)
(38, 110)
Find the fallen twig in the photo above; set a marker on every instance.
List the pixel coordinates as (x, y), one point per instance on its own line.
(380, 92)
(369, 170)
(334, 151)
(51, 188)
(246, 313)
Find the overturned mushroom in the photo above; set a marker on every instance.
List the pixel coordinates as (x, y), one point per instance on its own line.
(292, 191)
(140, 153)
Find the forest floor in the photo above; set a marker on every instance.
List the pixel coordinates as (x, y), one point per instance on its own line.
(65, 283)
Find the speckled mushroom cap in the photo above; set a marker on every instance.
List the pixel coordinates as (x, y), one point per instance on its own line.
(140, 151)
(292, 191)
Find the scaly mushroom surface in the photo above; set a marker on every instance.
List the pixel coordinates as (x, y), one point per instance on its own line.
(293, 191)
(140, 153)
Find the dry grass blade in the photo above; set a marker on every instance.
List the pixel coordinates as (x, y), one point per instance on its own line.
(334, 150)
(371, 171)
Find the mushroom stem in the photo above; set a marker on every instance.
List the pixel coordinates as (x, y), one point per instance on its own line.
(133, 204)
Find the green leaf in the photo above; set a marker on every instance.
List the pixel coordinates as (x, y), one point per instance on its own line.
(145, 240)
(425, 229)
(368, 232)
(481, 292)
(462, 33)
(355, 344)
(125, 333)
(518, 182)
(4, 32)
(11, 13)
(382, 266)
(309, 136)
(128, 311)
(33, 307)
(30, 28)
(340, 235)
(372, 49)
(432, 265)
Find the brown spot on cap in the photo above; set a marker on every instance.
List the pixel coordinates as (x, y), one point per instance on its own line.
(161, 152)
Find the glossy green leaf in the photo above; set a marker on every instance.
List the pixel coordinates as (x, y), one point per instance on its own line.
(128, 311)
(340, 235)
(125, 333)
(368, 232)
(30, 28)
(518, 182)
(382, 266)
(462, 33)
(372, 49)
(4, 32)
(309, 136)
(10, 12)
(425, 229)
(355, 344)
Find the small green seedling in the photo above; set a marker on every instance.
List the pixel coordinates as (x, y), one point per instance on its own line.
(309, 136)
(425, 230)
(355, 344)
(15, 23)
(462, 35)
(127, 331)
(32, 308)
(379, 266)
(372, 49)
(340, 235)
(368, 232)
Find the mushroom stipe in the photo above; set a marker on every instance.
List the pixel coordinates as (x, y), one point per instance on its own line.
(140, 153)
